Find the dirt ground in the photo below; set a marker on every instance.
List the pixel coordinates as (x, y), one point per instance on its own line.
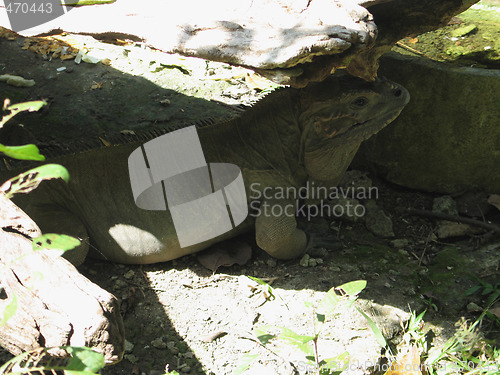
(182, 316)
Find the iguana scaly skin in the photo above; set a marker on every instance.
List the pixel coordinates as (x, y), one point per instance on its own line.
(290, 137)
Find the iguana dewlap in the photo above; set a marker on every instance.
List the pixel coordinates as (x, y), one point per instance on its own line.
(290, 137)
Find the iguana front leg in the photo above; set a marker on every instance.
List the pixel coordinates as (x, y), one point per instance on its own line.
(276, 230)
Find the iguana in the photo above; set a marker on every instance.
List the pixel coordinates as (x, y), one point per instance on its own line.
(290, 137)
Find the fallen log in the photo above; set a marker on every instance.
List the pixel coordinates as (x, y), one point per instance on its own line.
(56, 305)
(291, 42)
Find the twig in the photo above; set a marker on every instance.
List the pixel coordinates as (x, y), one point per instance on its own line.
(413, 50)
(458, 219)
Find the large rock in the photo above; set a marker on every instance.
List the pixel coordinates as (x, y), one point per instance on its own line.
(448, 137)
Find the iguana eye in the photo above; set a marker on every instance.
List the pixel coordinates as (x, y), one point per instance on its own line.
(360, 101)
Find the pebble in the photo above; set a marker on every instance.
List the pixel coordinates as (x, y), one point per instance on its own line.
(131, 358)
(272, 262)
(377, 222)
(304, 262)
(158, 343)
(128, 346)
(130, 274)
(399, 243)
(403, 252)
(335, 269)
(120, 284)
(312, 262)
(445, 205)
(474, 307)
(172, 348)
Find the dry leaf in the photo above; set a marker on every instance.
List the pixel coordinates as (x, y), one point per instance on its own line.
(225, 254)
(255, 81)
(495, 311)
(494, 200)
(104, 142)
(408, 365)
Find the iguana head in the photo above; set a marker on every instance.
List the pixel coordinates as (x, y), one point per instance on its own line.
(336, 115)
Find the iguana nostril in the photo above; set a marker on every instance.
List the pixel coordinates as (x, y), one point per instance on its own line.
(397, 92)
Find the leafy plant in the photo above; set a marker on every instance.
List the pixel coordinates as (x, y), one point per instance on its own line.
(24, 152)
(340, 297)
(75, 361)
(466, 352)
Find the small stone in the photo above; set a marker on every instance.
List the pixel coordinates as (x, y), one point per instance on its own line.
(120, 284)
(186, 369)
(128, 347)
(304, 262)
(131, 358)
(174, 351)
(271, 262)
(335, 269)
(158, 343)
(188, 355)
(312, 262)
(399, 243)
(376, 221)
(319, 261)
(447, 229)
(473, 307)
(445, 205)
(170, 345)
(165, 102)
(403, 252)
(130, 274)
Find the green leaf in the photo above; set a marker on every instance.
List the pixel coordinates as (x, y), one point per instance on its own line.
(84, 359)
(353, 288)
(265, 338)
(20, 107)
(472, 290)
(245, 363)
(299, 341)
(9, 310)
(50, 241)
(262, 334)
(336, 364)
(28, 181)
(269, 288)
(32, 106)
(329, 302)
(79, 3)
(24, 152)
(376, 331)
